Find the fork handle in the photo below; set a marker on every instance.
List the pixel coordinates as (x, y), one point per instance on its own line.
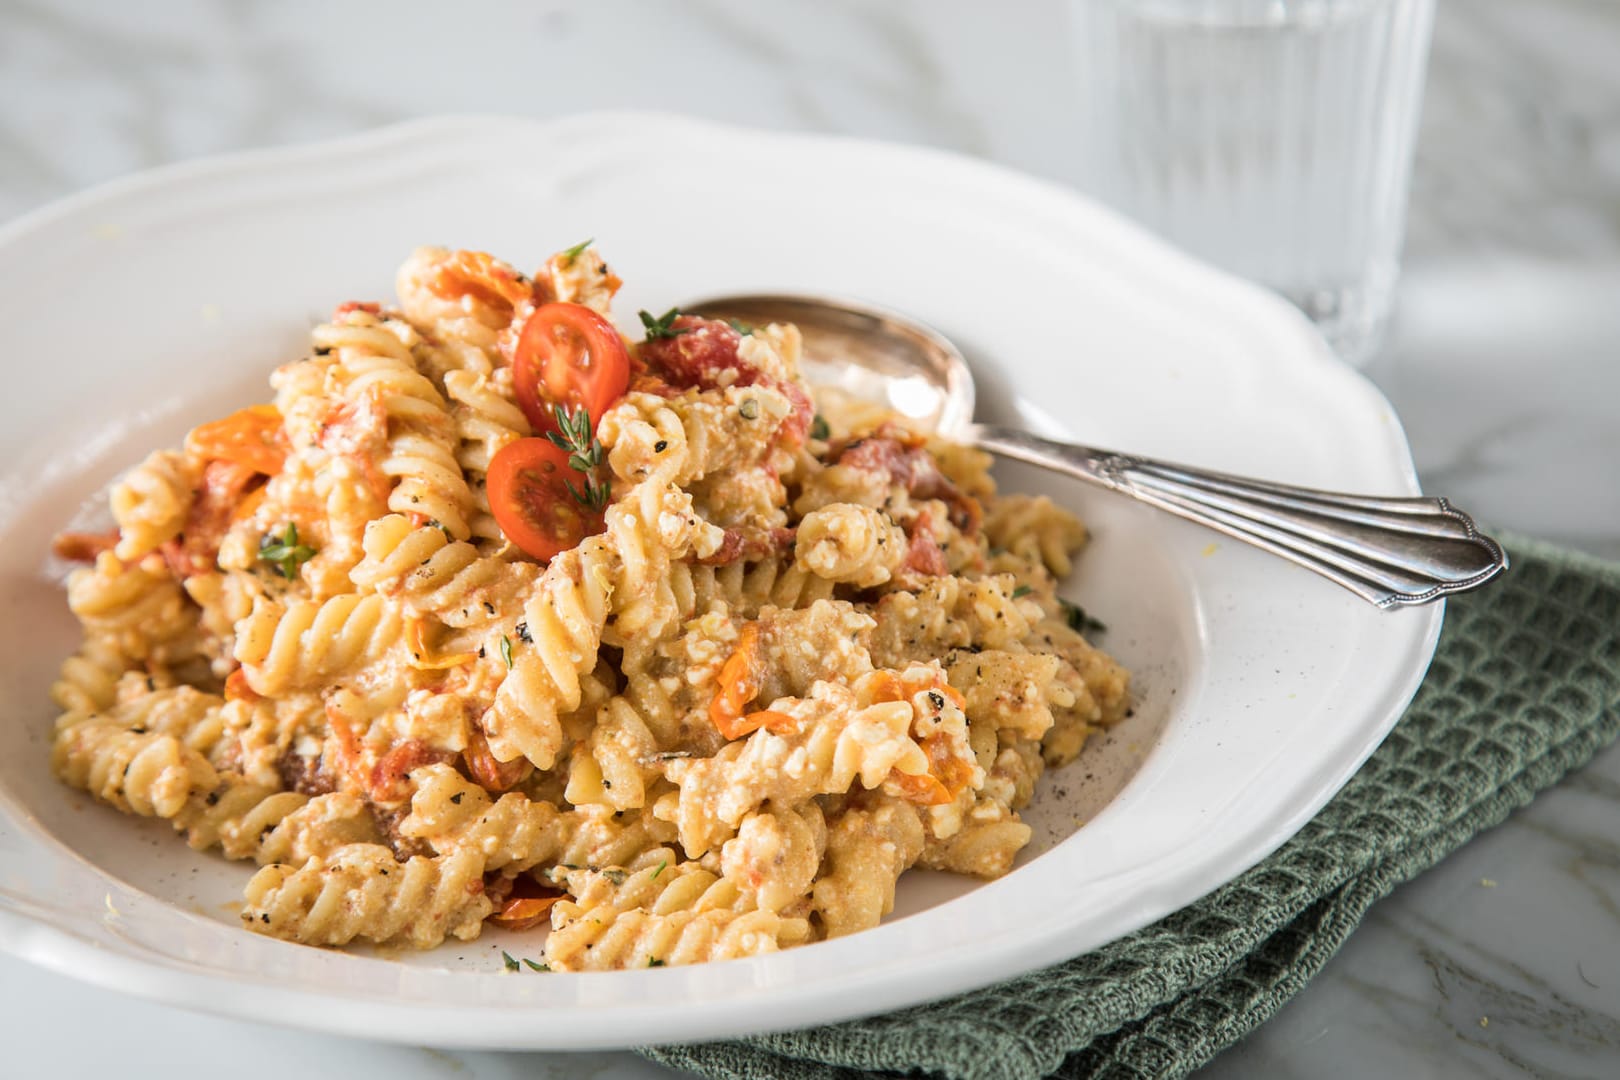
(1388, 551)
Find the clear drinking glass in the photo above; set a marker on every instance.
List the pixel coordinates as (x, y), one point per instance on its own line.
(1271, 137)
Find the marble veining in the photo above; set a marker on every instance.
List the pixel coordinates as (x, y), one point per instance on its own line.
(1504, 961)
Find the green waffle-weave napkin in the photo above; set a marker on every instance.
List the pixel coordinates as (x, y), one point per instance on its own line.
(1524, 687)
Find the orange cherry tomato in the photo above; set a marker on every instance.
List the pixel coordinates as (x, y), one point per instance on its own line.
(251, 437)
(569, 355)
(739, 684)
(528, 483)
(524, 912)
(526, 906)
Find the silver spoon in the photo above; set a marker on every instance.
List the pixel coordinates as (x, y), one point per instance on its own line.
(1389, 551)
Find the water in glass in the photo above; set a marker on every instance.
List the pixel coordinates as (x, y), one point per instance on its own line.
(1272, 137)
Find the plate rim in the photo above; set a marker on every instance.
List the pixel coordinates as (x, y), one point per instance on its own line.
(161, 978)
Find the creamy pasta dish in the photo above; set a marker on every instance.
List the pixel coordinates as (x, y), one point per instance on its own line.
(492, 615)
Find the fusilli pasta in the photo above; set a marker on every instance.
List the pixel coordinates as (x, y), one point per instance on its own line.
(493, 614)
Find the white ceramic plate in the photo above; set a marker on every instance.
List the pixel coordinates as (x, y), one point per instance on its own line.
(132, 312)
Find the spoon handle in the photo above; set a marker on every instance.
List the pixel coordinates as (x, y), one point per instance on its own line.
(1389, 551)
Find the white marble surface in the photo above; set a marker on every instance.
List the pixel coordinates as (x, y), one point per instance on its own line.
(1505, 366)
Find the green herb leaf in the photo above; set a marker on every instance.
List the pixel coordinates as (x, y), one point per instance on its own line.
(654, 962)
(1022, 591)
(1079, 621)
(285, 552)
(663, 326)
(534, 966)
(511, 964)
(577, 436)
(615, 875)
(658, 871)
(741, 327)
(568, 256)
(506, 651)
(819, 428)
(592, 495)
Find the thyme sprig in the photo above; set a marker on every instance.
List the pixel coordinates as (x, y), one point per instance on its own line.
(1078, 620)
(567, 257)
(664, 325)
(285, 551)
(576, 436)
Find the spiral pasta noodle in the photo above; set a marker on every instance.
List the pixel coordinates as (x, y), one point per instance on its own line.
(453, 814)
(137, 609)
(250, 821)
(1035, 527)
(287, 648)
(429, 574)
(88, 681)
(660, 912)
(746, 587)
(849, 543)
(138, 771)
(868, 848)
(151, 502)
(486, 421)
(419, 455)
(361, 892)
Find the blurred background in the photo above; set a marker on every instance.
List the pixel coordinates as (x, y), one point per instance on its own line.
(1501, 360)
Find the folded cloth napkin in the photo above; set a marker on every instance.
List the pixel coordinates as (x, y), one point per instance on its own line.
(1524, 687)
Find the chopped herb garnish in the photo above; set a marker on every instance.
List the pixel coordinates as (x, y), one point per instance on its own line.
(523, 633)
(663, 326)
(615, 875)
(819, 428)
(591, 494)
(741, 327)
(511, 964)
(658, 871)
(749, 409)
(435, 523)
(1078, 620)
(567, 257)
(655, 962)
(506, 651)
(534, 966)
(577, 437)
(1022, 591)
(285, 551)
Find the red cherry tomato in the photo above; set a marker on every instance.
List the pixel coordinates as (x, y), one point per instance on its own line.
(568, 355)
(528, 494)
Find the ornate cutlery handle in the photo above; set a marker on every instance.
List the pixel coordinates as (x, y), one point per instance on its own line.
(1389, 551)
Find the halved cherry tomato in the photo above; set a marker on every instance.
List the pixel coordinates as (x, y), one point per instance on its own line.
(568, 355)
(528, 494)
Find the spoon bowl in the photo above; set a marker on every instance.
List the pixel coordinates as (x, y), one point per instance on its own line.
(1391, 551)
(868, 352)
